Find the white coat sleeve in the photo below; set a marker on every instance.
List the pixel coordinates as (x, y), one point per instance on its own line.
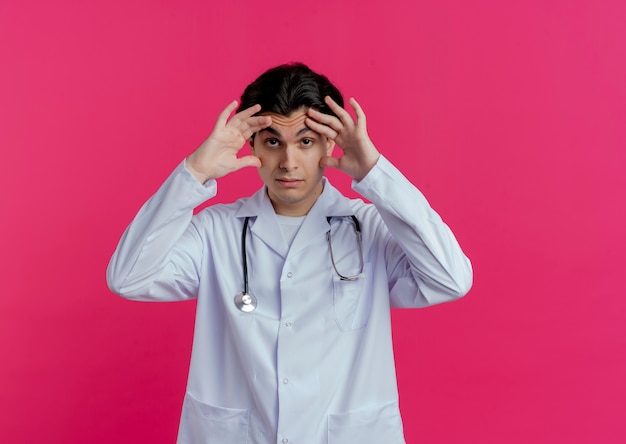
(425, 264)
(159, 255)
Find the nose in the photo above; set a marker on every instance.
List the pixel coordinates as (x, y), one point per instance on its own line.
(288, 159)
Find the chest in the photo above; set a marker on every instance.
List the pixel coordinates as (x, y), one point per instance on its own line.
(301, 282)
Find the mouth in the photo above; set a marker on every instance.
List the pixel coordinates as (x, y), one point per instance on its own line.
(288, 182)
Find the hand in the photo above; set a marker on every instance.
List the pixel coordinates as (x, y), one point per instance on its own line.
(217, 156)
(359, 153)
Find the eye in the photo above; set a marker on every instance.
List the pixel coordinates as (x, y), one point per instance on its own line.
(272, 142)
(307, 142)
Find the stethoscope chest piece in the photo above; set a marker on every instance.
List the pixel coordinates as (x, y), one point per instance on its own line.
(245, 302)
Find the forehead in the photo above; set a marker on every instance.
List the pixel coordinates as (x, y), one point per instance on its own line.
(289, 124)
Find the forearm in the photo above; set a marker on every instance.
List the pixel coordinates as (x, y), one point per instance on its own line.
(439, 267)
(146, 250)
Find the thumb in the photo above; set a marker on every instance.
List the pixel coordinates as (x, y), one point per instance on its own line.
(247, 161)
(329, 161)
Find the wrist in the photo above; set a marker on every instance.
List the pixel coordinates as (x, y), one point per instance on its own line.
(368, 165)
(201, 177)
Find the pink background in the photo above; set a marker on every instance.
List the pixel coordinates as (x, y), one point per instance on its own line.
(510, 116)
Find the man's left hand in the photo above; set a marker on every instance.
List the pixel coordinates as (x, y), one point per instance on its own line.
(359, 153)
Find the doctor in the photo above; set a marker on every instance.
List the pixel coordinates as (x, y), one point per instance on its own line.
(294, 285)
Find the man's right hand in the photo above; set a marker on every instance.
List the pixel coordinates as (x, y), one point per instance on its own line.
(217, 155)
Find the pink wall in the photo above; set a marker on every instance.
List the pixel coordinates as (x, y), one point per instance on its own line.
(510, 116)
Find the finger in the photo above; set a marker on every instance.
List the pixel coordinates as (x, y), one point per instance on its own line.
(247, 161)
(254, 125)
(244, 115)
(322, 129)
(325, 119)
(343, 115)
(358, 111)
(223, 116)
(329, 161)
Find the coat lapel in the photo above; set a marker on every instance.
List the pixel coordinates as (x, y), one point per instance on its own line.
(330, 203)
(265, 225)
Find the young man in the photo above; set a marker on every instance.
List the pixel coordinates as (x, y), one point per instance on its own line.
(292, 342)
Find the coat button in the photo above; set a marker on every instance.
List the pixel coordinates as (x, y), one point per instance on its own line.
(290, 274)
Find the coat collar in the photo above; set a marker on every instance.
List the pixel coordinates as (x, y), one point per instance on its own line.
(330, 203)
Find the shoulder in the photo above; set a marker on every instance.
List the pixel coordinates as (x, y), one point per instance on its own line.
(218, 215)
(362, 209)
(372, 224)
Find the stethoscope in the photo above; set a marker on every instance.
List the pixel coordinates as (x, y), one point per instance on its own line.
(247, 302)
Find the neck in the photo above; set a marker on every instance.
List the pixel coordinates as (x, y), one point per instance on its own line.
(296, 208)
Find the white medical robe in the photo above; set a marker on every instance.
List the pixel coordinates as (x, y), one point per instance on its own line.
(314, 362)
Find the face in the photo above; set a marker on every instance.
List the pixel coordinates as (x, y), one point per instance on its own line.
(290, 155)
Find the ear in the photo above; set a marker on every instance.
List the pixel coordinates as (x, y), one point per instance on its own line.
(251, 143)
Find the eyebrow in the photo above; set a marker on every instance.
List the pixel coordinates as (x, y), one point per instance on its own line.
(277, 133)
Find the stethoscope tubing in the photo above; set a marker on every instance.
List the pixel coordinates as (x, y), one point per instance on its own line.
(244, 255)
(246, 302)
